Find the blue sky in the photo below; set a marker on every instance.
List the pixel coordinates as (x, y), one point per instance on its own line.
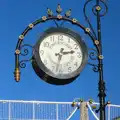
(17, 14)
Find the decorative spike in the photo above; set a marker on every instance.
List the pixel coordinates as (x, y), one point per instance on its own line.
(68, 13)
(59, 9)
(49, 12)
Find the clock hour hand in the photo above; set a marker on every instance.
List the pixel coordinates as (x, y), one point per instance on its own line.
(58, 54)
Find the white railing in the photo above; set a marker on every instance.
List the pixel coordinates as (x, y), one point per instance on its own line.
(35, 110)
(44, 110)
(113, 112)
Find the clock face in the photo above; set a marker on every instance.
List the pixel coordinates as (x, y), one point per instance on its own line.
(61, 55)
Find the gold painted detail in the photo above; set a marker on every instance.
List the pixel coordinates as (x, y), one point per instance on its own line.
(17, 51)
(98, 8)
(74, 20)
(31, 25)
(17, 74)
(59, 16)
(21, 37)
(87, 30)
(101, 57)
(96, 42)
(44, 18)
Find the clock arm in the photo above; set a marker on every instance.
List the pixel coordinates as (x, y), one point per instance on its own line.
(69, 52)
(58, 63)
(58, 54)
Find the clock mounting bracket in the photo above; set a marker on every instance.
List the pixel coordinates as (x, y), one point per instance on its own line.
(50, 16)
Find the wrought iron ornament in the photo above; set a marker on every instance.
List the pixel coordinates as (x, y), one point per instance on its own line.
(99, 10)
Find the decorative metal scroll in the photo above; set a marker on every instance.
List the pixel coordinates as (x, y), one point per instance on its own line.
(93, 56)
(102, 8)
(25, 51)
(99, 9)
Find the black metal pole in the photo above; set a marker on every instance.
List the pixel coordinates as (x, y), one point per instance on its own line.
(101, 84)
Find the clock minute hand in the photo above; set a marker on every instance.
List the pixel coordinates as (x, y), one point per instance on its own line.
(58, 63)
(59, 58)
(68, 52)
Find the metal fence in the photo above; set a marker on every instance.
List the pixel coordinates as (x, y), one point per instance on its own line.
(35, 110)
(43, 110)
(113, 112)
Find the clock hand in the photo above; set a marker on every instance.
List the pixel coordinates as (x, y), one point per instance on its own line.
(59, 58)
(61, 50)
(58, 63)
(69, 52)
(58, 54)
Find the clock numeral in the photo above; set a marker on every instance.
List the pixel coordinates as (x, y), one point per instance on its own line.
(76, 46)
(46, 44)
(76, 64)
(52, 38)
(53, 67)
(69, 69)
(41, 52)
(68, 40)
(68, 64)
(45, 62)
(60, 71)
(60, 38)
(79, 55)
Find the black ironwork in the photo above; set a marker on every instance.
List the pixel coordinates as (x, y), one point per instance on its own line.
(22, 63)
(93, 54)
(95, 36)
(24, 49)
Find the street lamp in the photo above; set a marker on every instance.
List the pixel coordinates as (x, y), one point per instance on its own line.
(65, 49)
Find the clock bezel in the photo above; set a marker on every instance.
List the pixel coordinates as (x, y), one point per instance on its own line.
(42, 71)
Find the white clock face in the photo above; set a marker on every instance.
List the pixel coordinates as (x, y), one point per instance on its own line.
(61, 54)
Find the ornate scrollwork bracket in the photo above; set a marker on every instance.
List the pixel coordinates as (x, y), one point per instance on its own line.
(21, 50)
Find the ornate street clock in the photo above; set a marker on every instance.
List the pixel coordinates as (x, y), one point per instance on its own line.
(59, 56)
